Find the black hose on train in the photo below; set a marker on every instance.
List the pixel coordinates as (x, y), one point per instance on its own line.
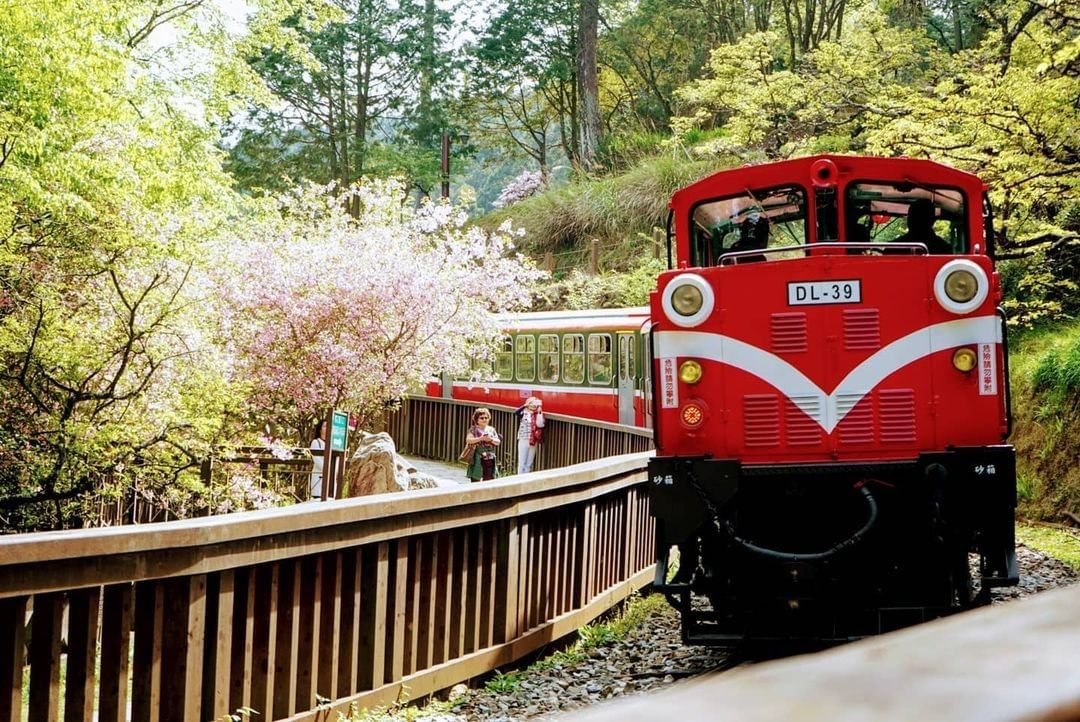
(728, 528)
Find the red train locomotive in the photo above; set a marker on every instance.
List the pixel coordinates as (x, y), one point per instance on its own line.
(831, 398)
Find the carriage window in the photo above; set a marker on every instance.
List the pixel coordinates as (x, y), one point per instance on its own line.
(504, 360)
(548, 345)
(599, 359)
(751, 221)
(573, 358)
(525, 353)
(879, 212)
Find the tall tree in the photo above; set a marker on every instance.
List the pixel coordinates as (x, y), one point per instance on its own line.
(533, 49)
(726, 21)
(810, 22)
(588, 85)
(646, 55)
(370, 92)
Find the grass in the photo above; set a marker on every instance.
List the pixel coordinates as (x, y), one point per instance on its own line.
(1046, 406)
(1061, 544)
(614, 209)
(634, 612)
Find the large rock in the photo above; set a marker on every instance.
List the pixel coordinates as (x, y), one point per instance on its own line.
(376, 468)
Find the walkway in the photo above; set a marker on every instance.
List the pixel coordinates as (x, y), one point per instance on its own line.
(441, 470)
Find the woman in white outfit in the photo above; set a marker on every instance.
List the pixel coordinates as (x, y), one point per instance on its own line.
(532, 417)
(318, 447)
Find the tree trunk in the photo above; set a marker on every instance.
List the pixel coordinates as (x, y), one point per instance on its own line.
(588, 83)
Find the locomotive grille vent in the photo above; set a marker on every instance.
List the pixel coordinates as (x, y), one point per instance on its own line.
(887, 416)
(802, 416)
(862, 329)
(789, 332)
(761, 420)
(896, 415)
(857, 424)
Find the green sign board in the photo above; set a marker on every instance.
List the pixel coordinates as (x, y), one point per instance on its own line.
(339, 431)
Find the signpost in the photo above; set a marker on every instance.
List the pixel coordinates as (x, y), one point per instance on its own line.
(339, 431)
(335, 441)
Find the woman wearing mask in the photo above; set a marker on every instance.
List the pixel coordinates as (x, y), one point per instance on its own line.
(529, 434)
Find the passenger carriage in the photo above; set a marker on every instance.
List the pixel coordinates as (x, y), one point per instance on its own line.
(591, 364)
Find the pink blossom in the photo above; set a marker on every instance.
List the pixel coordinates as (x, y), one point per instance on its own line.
(325, 310)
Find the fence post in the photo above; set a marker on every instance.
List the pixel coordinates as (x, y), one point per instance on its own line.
(594, 256)
(549, 262)
(659, 241)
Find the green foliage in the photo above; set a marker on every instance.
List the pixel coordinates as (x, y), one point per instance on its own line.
(504, 683)
(242, 714)
(1045, 365)
(107, 195)
(357, 95)
(1057, 375)
(828, 102)
(610, 209)
(579, 290)
(633, 613)
(1062, 544)
(1034, 295)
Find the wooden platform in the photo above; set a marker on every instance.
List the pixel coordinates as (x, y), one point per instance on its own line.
(1018, 661)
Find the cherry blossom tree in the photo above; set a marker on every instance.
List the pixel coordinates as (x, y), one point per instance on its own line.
(325, 310)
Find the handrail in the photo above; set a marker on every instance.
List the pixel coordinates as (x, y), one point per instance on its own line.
(732, 257)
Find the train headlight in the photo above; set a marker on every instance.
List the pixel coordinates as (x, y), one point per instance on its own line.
(688, 300)
(964, 359)
(692, 415)
(961, 286)
(690, 371)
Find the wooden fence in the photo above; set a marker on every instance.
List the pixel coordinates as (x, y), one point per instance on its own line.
(301, 612)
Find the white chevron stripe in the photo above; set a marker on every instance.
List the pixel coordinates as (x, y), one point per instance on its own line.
(860, 381)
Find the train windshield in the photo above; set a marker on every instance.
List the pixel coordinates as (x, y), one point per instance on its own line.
(878, 212)
(753, 220)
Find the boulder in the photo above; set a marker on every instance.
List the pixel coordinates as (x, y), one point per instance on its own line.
(376, 468)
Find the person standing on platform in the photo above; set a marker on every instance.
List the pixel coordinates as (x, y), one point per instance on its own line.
(318, 454)
(529, 433)
(483, 438)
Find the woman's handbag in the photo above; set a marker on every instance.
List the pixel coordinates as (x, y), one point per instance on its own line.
(466, 454)
(536, 436)
(487, 464)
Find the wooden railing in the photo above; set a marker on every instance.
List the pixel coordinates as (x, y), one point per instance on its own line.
(302, 611)
(436, 428)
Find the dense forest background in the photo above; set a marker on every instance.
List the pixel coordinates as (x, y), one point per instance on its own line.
(199, 202)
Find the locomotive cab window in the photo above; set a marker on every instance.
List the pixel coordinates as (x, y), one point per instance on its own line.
(753, 220)
(573, 358)
(888, 213)
(600, 359)
(504, 360)
(548, 346)
(525, 357)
